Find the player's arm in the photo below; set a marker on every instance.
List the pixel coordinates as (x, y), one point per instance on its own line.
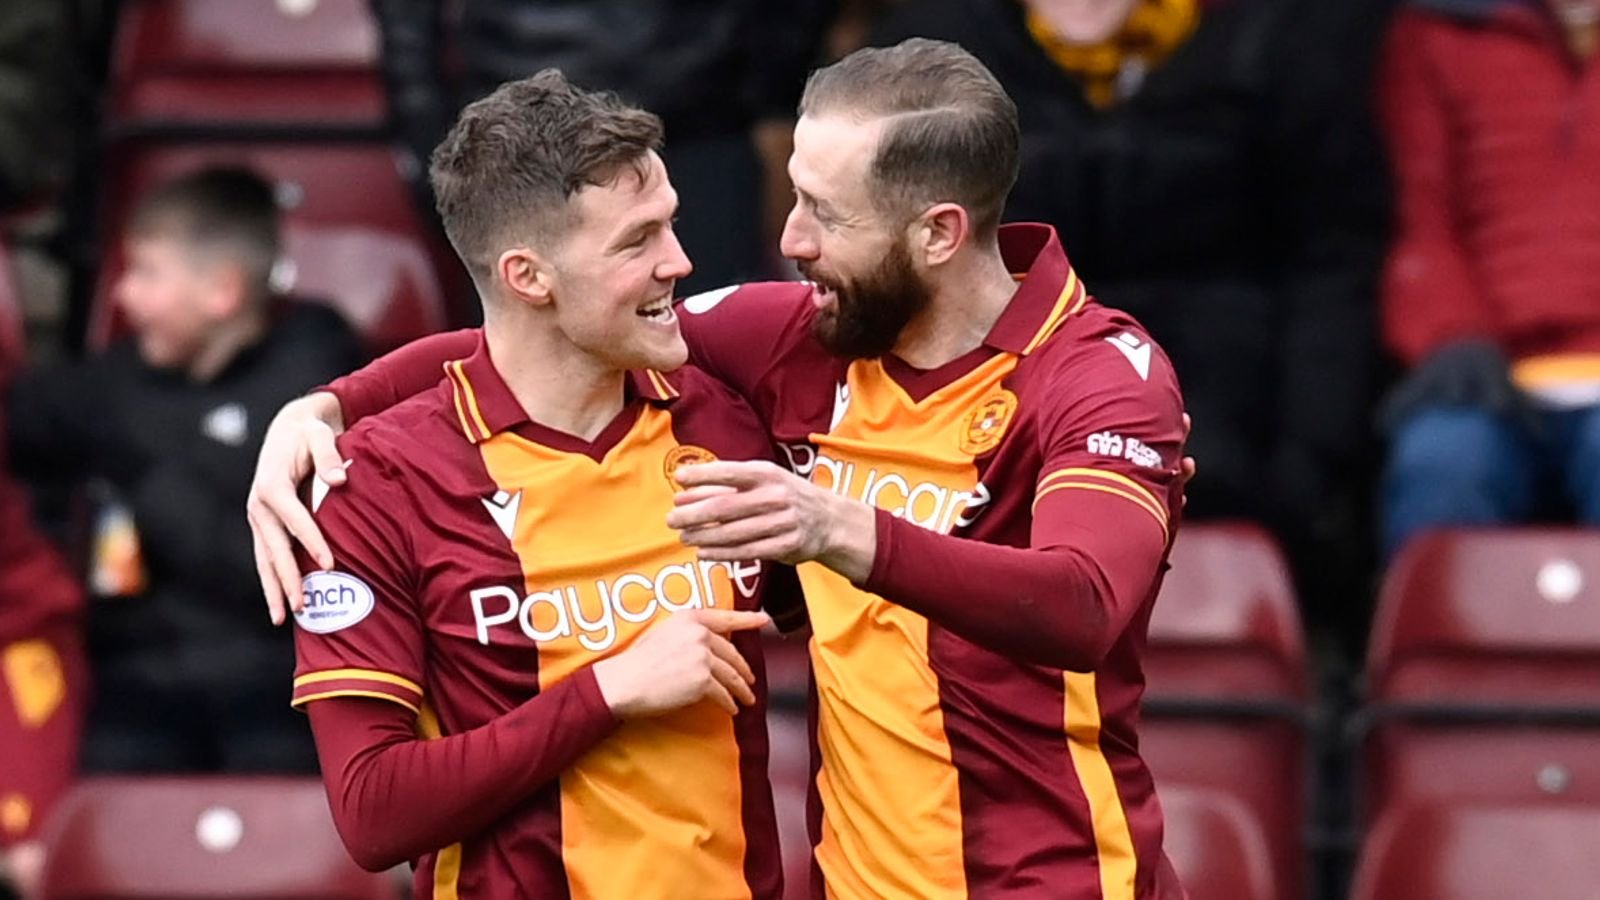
(395, 797)
(735, 333)
(399, 374)
(1100, 528)
(300, 442)
(361, 678)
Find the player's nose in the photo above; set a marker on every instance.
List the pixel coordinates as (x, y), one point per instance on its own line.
(797, 241)
(676, 264)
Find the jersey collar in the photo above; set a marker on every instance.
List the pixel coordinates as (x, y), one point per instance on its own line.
(1049, 292)
(485, 406)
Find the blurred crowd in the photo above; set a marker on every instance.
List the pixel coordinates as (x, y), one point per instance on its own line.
(1364, 232)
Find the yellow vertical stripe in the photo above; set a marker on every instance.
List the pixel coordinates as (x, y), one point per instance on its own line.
(447, 862)
(455, 394)
(1057, 314)
(639, 816)
(662, 386)
(472, 400)
(447, 873)
(1113, 841)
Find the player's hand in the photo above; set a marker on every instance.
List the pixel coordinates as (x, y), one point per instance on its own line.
(756, 510)
(299, 441)
(1187, 467)
(680, 662)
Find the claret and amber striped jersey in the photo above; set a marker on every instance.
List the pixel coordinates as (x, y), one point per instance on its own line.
(949, 770)
(483, 559)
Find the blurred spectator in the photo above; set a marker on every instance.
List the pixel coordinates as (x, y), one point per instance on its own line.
(1211, 172)
(189, 674)
(32, 34)
(724, 75)
(1492, 292)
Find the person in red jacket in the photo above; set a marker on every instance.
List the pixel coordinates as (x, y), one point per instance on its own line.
(1491, 294)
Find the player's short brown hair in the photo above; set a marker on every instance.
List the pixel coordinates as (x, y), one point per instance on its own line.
(221, 211)
(513, 159)
(952, 135)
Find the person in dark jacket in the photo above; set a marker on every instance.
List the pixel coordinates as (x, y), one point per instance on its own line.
(724, 75)
(188, 674)
(1491, 296)
(1212, 170)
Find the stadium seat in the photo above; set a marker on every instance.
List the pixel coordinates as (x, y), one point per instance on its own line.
(13, 349)
(199, 64)
(1471, 852)
(262, 838)
(1226, 624)
(352, 233)
(1216, 846)
(1225, 703)
(1482, 671)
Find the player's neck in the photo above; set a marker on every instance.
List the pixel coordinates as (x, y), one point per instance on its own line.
(557, 385)
(968, 298)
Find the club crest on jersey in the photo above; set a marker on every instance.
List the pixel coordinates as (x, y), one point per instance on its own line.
(684, 455)
(987, 424)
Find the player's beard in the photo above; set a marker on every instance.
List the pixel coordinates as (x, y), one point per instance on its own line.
(870, 312)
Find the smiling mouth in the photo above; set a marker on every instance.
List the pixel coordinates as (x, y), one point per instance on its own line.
(659, 311)
(823, 297)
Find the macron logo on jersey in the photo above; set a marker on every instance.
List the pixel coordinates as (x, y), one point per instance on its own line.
(704, 303)
(841, 404)
(503, 508)
(1136, 351)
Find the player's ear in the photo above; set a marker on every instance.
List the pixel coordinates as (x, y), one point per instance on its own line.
(939, 232)
(527, 276)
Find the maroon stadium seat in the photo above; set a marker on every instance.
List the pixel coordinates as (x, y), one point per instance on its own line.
(13, 348)
(197, 837)
(1483, 669)
(1216, 846)
(1225, 705)
(260, 63)
(352, 233)
(1226, 624)
(1471, 852)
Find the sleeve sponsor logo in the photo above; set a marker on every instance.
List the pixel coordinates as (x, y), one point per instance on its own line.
(334, 601)
(841, 404)
(1106, 443)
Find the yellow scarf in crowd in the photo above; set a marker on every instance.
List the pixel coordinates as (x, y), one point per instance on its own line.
(1153, 31)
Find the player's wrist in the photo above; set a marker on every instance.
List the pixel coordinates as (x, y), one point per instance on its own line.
(619, 690)
(851, 539)
(324, 407)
